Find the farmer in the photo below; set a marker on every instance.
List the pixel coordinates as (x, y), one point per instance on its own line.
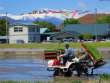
(83, 54)
(69, 54)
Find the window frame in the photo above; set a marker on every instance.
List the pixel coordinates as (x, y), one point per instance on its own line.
(18, 29)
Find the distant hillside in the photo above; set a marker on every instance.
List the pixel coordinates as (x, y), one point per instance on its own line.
(54, 16)
(91, 18)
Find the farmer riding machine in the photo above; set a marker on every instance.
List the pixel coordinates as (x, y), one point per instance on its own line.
(92, 61)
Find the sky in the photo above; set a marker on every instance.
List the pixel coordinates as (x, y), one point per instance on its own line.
(25, 6)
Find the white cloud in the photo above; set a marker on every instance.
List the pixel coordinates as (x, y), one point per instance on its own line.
(82, 4)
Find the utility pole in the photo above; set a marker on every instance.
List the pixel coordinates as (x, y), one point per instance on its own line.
(95, 24)
(7, 29)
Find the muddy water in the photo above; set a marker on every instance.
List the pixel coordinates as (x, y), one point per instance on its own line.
(103, 69)
(106, 55)
(24, 69)
(34, 68)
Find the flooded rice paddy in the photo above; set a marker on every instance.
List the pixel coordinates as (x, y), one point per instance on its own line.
(33, 68)
(24, 69)
(104, 69)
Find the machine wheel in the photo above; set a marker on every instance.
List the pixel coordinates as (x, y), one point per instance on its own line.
(92, 70)
(78, 69)
(79, 72)
(86, 71)
(58, 72)
(68, 73)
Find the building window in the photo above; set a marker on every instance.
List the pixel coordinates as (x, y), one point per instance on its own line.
(31, 29)
(37, 29)
(18, 29)
(19, 41)
(32, 38)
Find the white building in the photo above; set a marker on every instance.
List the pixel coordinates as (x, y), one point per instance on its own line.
(24, 33)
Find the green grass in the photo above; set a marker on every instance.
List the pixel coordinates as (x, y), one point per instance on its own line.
(60, 80)
(105, 76)
(39, 45)
(77, 81)
(52, 46)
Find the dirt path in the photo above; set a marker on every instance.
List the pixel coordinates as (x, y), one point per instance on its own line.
(21, 53)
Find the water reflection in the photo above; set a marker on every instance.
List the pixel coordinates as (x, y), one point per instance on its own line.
(103, 69)
(31, 68)
(24, 69)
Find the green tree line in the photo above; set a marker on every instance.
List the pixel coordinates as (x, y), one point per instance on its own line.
(46, 24)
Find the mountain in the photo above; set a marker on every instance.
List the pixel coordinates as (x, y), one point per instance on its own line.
(54, 16)
(92, 18)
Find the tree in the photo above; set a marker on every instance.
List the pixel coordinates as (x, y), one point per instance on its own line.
(87, 36)
(46, 24)
(80, 36)
(71, 21)
(2, 27)
(103, 19)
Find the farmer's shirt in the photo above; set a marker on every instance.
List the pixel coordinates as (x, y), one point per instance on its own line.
(69, 52)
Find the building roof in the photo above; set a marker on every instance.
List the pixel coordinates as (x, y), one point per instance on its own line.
(94, 29)
(26, 23)
(64, 34)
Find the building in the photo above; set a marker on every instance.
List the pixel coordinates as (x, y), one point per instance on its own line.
(63, 35)
(74, 31)
(24, 33)
(3, 39)
(45, 34)
(94, 29)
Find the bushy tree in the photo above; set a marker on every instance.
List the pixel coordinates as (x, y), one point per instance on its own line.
(103, 19)
(46, 24)
(2, 27)
(70, 21)
(87, 36)
(80, 36)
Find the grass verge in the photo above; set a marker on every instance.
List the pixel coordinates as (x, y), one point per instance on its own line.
(105, 76)
(53, 45)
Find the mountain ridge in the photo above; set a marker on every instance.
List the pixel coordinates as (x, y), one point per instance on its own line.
(54, 16)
